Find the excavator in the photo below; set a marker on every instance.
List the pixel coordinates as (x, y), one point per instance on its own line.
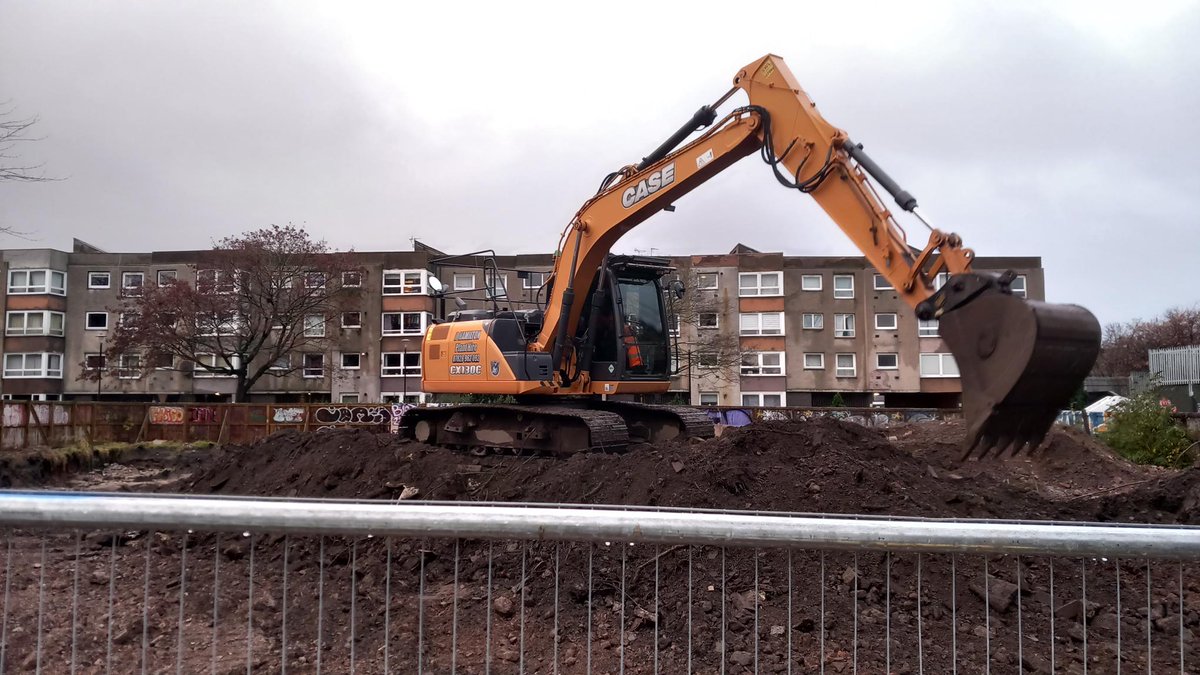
(602, 332)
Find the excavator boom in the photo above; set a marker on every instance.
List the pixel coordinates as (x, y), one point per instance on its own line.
(1020, 361)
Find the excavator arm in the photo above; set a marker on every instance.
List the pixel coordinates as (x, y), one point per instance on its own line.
(1020, 361)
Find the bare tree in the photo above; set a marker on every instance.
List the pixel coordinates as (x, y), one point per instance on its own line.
(708, 352)
(258, 299)
(13, 132)
(1126, 346)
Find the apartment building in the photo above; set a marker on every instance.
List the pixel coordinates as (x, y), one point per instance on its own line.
(753, 329)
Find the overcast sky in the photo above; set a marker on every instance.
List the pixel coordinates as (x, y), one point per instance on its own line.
(1066, 130)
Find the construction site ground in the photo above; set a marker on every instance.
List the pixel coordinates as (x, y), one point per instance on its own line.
(640, 609)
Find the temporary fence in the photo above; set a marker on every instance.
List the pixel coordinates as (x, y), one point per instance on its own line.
(28, 424)
(106, 583)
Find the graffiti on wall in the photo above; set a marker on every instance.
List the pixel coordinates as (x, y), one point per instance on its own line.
(166, 414)
(288, 416)
(353, 414)
(879, 419)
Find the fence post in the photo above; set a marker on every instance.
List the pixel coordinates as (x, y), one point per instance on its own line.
(38, 420)
(145, 424)
(224, 424)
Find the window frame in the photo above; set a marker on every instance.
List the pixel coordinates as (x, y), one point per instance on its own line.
(530, 275)
(349, 276)
(402, 370)
(198, 369)
(124, 368)
(941, 374)
(894, 355)
(1023, 291)
(895, 321)
(47, 321)
(357, 361)
(844, 332)
(759, 319)
(805, 278)
(405, 284)
(716, 324)
(462, 275)
(760, 367)
(492, 289)
(348, 397)
(358, 318)
(820, 322)
(46, 288)
(761, 396)
(838, 369)
(840, 293)
(820, 355)
(716, 398)
(743, 291)
(87, 321)
(307, 370)
(305, 330)
(922, 330)
(43, 370)
(887, 285)
(700, 365)
(93, 286)
(129, 290)
(171, 276)
(383, 327)
(716, 278)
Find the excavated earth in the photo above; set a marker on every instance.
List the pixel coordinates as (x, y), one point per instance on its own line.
(473, 606)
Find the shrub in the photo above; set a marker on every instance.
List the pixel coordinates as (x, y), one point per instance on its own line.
(1143, 431)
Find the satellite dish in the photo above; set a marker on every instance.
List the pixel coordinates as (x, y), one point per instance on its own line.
(436, 284)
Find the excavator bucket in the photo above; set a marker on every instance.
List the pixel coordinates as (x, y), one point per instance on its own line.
(1020, 361)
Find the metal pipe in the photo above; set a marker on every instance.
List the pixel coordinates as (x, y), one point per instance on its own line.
(63, 510)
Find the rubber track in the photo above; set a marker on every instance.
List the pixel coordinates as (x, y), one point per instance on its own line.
(606, 430)
(696, 423)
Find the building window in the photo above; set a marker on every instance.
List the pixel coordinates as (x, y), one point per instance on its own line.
(1018, 286)
(763, 363)
(132, 283)
(99, 280)
(314, 365)
(813, 321)
(927, 328)
(886, 321)
(129, 366)
(348, 398)
(351, 361)
(760, 283)
(35, 323)
(314, 279)
(887, 361)
(96, 320)
(940, 280)
(882, 283)
(93, 361)
(938, 365)
(33, 365)
(762, 323)
(162, 360)
(844, 365)
(843, 286)
(167, 277)
(351, 319)
(401, 364)
(706, 281)
(211, 365)
(352, 279)
(207, 325)
(219, 282)
(763, 400)
(405, 323)
(404, 282)
(708, 360)
(843, 325)
(495, 283)
(464, 282)
(533, 279)
(814, 361)
(314, 325)
(708, 320)
(810, 282)
(709, 398)
(32, 282)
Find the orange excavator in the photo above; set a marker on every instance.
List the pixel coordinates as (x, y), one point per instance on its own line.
(603, 329)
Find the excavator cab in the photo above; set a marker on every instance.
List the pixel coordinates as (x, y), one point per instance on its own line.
(624, 328)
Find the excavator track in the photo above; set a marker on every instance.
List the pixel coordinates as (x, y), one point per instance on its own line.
(597, 426)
